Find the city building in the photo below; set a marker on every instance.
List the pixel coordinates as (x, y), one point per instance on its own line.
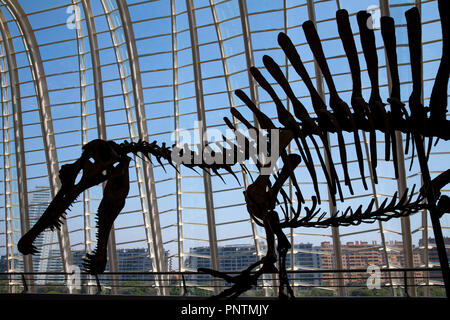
(130, 260)
(240, 257)
(48, 259)
(433, 258)
(361, 255)
(3, 267)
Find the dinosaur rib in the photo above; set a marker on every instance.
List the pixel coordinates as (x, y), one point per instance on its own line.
(415, 51)
(348, 42)
(281, 111)
(346, 35)
(359, 105)
(403, 207)
(287, 119)
(438, 98)
(239, 135)
(418, 113)
(263, 120)
(340, 117)
(303, 115)
(397, 107)
(370, 54)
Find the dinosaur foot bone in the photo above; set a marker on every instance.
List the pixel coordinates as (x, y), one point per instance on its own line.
(94, 263)
(243, 281)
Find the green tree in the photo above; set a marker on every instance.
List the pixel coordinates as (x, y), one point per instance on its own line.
(52, 288)
(315, 292)
(4, 286)
(198, 292)
(434, 291)
(137, 288)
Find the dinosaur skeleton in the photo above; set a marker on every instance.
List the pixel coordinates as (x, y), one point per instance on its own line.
(107, 161)
(261, 196)
(100, 161)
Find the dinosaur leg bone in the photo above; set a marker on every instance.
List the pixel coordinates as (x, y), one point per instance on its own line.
(114, 195)
(283, 245)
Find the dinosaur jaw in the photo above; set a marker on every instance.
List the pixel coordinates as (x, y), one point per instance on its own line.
(52, 218)
(55, 214)
(95, 166)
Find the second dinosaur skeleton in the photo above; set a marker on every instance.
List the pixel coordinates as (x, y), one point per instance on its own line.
(107, 161)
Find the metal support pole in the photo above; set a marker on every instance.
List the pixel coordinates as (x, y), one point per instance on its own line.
(401, 185)
(405, 221)
(9, 235)
(249, 58)
(334, 230)
(254, 97)
(101, 123)
(149, 181)
(434, 213)
(377, 205)
(248, 50)
(176, 119)
(202, 131)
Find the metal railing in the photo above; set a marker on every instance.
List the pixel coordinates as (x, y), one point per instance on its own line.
(392, 282)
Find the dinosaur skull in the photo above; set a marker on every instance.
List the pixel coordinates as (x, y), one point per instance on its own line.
(95, 166)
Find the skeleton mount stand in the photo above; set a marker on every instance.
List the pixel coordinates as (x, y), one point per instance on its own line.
(108, 161)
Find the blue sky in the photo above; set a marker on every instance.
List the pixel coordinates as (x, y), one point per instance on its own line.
(154, 45)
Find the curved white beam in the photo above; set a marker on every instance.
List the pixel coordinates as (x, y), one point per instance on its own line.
(101, 127)
(8, 153)
(202, 131)
(249, 58)
(248, 50)
(42, 97)
(96, 68)
(401, 187)
(18, 136)
(158, 249)
(334, 230)
(176, 118)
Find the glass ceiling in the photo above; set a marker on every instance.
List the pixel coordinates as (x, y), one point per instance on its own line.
(74, 71)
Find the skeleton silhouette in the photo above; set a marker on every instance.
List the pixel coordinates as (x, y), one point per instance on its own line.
(108, 161)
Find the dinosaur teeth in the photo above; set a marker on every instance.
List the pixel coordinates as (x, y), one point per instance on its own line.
(34, 250)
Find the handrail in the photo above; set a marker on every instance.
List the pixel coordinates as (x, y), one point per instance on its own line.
(230, 272)
(184, 273)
